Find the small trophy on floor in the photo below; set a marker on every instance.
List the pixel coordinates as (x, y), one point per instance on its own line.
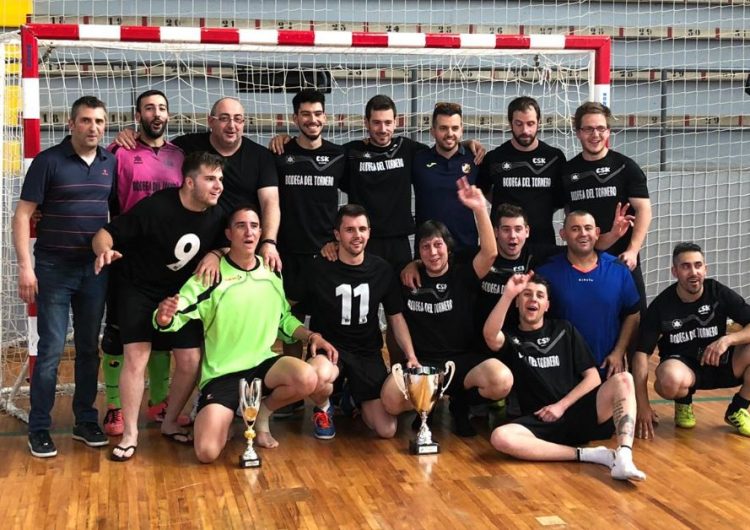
(423, 386)
(250, 396)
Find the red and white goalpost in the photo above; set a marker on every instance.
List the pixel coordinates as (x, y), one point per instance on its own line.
(196, 65)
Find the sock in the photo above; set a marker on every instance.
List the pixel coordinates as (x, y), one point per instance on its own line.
(158, 376)
(324, 406)
(596, 455)
(261, 422)
(688, 399)
(738, 402)
(623, 467)
(112, 366)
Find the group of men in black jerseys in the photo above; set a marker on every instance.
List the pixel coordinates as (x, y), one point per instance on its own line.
(477, 294)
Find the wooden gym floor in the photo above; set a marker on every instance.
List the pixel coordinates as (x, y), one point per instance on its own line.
(696, 479)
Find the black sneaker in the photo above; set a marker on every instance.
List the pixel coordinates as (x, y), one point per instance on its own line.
(41, 444)
(90, 434)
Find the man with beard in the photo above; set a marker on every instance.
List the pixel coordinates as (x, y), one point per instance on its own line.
(435, 174)
(154, 164)
(688, 321)
(249, 169)
(525, 171)
(310, 174)
(595, 292)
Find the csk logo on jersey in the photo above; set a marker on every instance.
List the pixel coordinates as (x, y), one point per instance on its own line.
(543, 341)
(704, 309)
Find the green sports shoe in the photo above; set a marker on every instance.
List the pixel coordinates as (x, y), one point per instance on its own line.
(683, 416)
(740, 420)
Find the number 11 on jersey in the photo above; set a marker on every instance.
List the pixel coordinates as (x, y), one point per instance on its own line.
(345, 291)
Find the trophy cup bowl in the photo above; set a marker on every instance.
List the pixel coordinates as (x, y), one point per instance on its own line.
(250, 397)
(423, 386)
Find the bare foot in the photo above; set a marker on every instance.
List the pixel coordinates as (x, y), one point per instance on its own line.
(264, 439)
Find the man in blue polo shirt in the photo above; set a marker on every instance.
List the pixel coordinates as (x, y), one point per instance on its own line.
(70, 183)
(595, 292)
(435, 173)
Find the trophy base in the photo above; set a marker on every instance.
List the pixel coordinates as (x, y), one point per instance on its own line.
(423, 449)
(248, 463)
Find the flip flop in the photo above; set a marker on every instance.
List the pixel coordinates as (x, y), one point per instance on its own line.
(124, 457)
(182, 438)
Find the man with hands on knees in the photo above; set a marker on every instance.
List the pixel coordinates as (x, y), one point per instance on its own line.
(563, 402)
(688, 322)
(242, 315)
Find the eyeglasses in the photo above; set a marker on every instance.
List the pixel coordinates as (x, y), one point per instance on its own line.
(226, 118)
(590, 130)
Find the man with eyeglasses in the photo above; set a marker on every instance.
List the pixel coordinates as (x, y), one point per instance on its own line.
(598, 178)
(525, 171)
(249, 169)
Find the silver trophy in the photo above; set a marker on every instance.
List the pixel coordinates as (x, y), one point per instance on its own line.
(250, 396)
(423, 386)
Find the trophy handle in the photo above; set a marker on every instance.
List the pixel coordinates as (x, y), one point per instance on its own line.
(250, 394)
(398, 377)
(450, 371)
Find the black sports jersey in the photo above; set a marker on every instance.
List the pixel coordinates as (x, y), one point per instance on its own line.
(251, 167)
(379, 178)
(309, 180)
(686, 328)
(597, 187)
(491, 287)
(162, 241)
(440, 314)
(531, 180)
(546, 363)
(343, 301)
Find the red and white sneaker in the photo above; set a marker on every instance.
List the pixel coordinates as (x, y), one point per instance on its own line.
(113, 422)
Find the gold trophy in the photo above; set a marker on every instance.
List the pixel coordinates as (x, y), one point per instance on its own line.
(423, 386)
(250, 396)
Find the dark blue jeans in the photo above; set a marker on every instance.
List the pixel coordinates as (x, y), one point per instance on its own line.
(63, 286)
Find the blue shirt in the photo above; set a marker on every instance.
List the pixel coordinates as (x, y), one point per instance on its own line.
(434, 178)
(595, 302)
(73, 198)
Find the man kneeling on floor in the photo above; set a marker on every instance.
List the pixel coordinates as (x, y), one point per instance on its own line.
(563, 401)
(242, 315)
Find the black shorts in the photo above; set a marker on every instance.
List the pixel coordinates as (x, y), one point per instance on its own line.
(296, 267)
(710, 377)
(135, 309)
(464, 364)
(225, 390)
(365, 373)
(395, 250)
(579, 425)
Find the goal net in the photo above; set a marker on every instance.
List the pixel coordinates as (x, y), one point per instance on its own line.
(264, 68)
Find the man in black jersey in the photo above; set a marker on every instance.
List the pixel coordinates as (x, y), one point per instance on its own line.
(310, 174)
(163, 239)
(563, 401)
(440, 313)
(525, 171)
(688, 322)
(343, 298)
(249, 169)
(598, 178)
(379, 177)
